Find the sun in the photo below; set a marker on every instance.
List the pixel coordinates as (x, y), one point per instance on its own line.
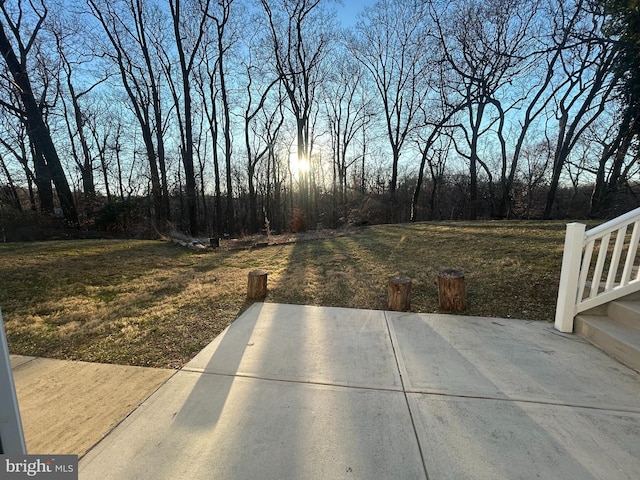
(299, 167)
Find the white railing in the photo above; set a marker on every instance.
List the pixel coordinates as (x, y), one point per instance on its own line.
(11, 434)
(583, 284)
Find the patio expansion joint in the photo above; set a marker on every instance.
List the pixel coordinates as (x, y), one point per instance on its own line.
(406, 391)
(603, 408)
(296, 381)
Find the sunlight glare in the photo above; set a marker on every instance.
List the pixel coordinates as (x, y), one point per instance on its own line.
(298, 166)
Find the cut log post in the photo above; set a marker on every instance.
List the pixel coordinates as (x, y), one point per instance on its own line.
(399, 294)
(257, 285)
(452, 291)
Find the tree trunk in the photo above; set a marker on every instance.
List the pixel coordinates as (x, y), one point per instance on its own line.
(257, 285)
(187, 140)
(42, 179)
(452, 292)
(15, 198)
(85, 165)
(394, 184)
(416, 192)
(226, 130)
(605, 189)
(399, 294)
(558, 163)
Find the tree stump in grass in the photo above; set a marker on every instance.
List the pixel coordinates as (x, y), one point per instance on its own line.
(452, 291)
(399, 294)
(257, 285)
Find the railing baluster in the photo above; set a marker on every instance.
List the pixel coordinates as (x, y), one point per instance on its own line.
(631, 254)
(584, 269)
(615, 257)
(597, 273)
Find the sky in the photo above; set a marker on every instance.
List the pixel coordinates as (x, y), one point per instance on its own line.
(349, 9)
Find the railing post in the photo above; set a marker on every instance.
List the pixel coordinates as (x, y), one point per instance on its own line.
(11, 434)
(568, 289)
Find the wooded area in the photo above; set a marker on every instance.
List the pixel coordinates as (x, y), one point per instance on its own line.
(238, 116)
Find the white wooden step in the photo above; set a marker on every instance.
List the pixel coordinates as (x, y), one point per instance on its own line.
(615, 337)
(625, 312)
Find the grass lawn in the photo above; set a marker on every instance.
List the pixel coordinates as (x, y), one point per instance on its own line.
(152, 303)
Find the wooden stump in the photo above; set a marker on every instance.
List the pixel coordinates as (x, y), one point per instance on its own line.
(452, 291)
(257, 285)
(399, 294)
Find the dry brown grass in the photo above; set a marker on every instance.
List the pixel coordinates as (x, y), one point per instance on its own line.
(156, 304)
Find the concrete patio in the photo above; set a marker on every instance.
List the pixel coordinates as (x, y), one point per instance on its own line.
(292, 392)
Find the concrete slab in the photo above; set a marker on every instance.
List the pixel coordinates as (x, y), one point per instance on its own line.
(496, 439)
(308, 392)
(209, 426)
(508, 359)
(67, 407)
(336, 346)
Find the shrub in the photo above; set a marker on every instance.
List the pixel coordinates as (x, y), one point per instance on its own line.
(298, 221)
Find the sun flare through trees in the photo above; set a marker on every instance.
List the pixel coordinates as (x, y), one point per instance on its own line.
(226, 117)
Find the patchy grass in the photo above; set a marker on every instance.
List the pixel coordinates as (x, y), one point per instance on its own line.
(155, 304)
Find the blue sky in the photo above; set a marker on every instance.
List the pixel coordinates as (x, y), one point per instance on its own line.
(350, 8)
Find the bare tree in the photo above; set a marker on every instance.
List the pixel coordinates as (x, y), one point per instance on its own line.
(487, 46)
(547, 37)
(134, 32)
(537, 157)
(102, 142)
(583, 95)
(47, 162)
(223, 43)
(16, 143)
(188, 28)
(208, 88)
(262, 123)
(210, 79)
(614, 161)
(432, 156)
(392, 43)
(348, 112)
(300, 33)
(437, 113)
(76, 116)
